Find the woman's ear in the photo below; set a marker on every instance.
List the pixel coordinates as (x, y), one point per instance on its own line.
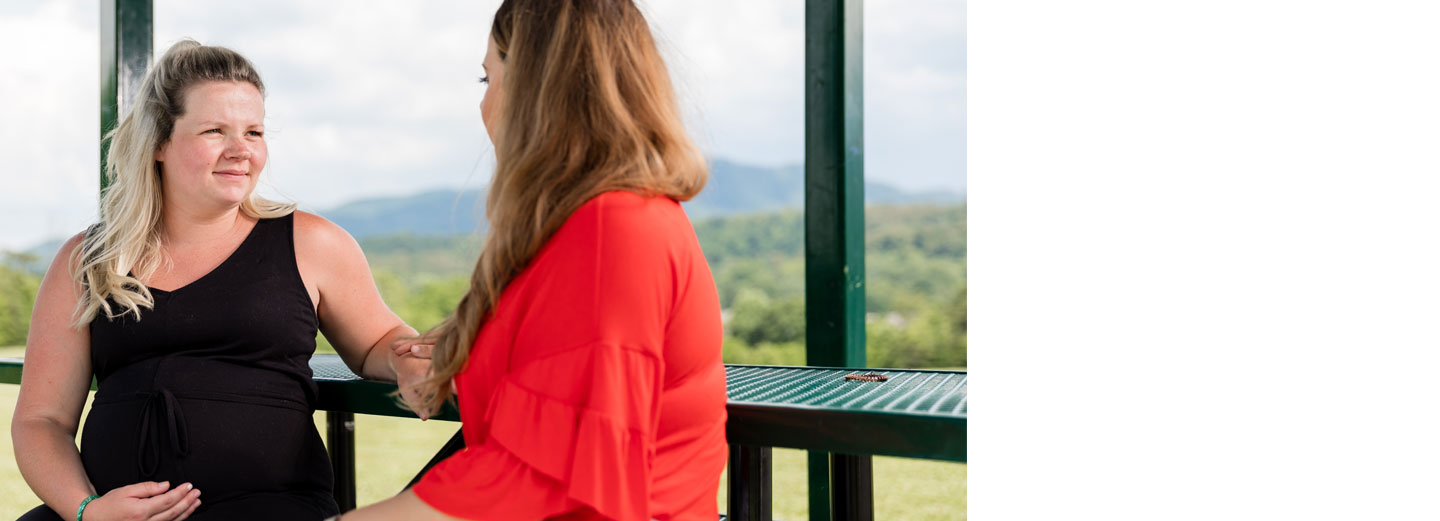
(160, 153)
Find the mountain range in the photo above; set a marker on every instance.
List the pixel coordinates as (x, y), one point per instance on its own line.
(733, 189)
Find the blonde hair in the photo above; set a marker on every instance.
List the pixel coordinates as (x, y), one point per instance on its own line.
(125, 247)
(587, 108)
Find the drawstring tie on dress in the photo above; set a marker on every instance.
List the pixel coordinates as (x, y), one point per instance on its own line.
(161, 402)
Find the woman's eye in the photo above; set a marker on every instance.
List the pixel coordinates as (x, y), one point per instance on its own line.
(257, 133)
(485, 80)
(214, 130)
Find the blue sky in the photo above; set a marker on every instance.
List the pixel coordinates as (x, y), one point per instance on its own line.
(380, 98)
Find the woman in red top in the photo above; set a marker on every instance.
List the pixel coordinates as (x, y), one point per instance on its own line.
(586, 354)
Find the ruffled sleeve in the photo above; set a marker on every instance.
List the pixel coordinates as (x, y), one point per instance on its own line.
(584, 442)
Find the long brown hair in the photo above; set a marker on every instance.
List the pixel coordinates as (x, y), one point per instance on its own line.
(587, 108)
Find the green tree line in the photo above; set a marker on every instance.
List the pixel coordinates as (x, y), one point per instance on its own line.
(915, 284)
(17, 297)
(914, 294)
(915, 276)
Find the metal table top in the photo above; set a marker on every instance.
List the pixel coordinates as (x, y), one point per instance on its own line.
(908, 391)
(913, 413)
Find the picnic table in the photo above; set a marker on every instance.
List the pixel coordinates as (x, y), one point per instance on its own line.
(908, 413)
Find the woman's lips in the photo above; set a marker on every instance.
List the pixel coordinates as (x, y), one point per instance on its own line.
(231, 173)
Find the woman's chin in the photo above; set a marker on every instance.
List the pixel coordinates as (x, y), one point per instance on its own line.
(231, 198)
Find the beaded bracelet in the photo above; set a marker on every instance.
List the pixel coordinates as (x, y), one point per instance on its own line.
(79, 515)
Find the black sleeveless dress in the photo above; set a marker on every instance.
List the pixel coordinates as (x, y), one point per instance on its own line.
(213, 387)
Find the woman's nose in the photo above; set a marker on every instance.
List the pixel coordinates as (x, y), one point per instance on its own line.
(237, 149)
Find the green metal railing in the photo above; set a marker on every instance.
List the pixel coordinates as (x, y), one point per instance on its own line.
(126, 44)
(835, 232)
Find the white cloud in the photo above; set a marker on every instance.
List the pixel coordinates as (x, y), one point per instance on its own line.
(374, 98)
(49, 124)
(740, 67)
(915, 92)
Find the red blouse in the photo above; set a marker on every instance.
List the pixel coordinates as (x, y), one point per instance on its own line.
(595, 390)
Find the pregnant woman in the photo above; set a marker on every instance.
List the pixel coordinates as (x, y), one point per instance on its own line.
(195, 304)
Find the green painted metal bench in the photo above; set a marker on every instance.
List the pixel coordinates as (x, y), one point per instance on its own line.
(913, 413)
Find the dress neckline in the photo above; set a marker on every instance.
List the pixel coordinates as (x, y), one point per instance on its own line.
(248, 237)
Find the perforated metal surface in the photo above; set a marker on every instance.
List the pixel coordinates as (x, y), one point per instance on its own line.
(937, 393)
(940, 393)
(342, 390)
(330, 367)
(913, 413)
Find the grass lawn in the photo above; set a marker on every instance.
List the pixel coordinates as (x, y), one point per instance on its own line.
(389, 451)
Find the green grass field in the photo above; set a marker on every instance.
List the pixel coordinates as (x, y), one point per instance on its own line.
(389, 451)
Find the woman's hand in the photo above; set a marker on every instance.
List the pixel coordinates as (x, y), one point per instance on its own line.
(146, 501)
(408, 351)
(410, 370)
(417, 347)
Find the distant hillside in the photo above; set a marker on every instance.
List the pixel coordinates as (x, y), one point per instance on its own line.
(37, 259)
(917, 249)
(441, 212)
(733, 189)
(736, 188)
(931, 230)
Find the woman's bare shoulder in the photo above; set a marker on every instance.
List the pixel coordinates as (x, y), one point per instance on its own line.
(315, 231)
(324, 250)
(73, 242)
(67, 249)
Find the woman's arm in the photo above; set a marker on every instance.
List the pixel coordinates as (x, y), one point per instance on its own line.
(352, 315)
(404, 505)
(53, 388)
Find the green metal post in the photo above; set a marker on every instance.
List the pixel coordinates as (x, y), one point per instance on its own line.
(834, 206)
(126, 44)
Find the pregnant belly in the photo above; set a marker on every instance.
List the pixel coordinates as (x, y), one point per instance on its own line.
(225, 448)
